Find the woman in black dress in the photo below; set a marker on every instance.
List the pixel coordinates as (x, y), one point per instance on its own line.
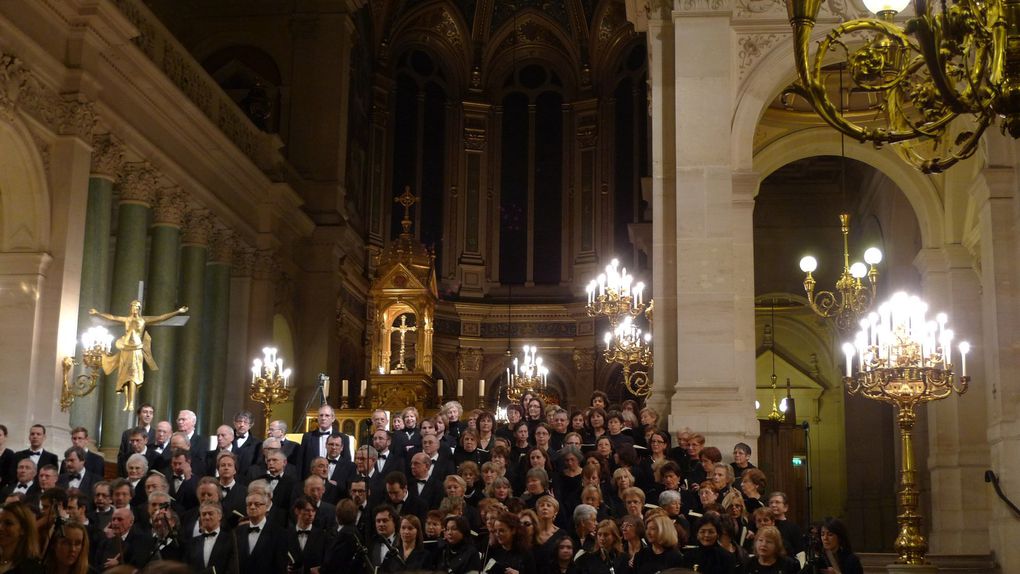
(769, 555)
(510, 554)
(752, 484)
(602, 560)
(411, 554)
(19, 540)
(838, 553)
(459, 555)
(708, 557)
(661, 552)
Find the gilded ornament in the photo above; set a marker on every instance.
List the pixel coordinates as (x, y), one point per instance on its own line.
(138, 184)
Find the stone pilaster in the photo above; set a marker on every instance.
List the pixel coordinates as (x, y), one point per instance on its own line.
(137, 189)
(161, 297)
(217, 324)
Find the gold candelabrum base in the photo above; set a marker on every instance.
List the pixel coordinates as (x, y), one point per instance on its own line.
(852, 298)
(617, 308)
(269, 392)
(635, 362)
(76, 387)
(523, 385)
(906, 387)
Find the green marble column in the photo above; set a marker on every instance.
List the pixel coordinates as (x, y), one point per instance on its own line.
(217, 325)
(161, 297)
(95, 289)
(191, 292)
(136, 193)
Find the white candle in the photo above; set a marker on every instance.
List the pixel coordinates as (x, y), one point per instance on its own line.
(325, 389)
(460, 387)
(964, 349)
(364, 386)
(440, 387)
(481, 387)
(343, 384)
(848, 350)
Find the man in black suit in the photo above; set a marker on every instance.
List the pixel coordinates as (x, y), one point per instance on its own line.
(213, 550)
(183, 482)
(441, 461)
(137, 444)
(144, 415)
(386, 520)
(245, 446)
(36, 453)
(358, 489)
(24, 483)
(232, 489)
(332, 493)
(258, 470)
(325, 513)
(280, 485)
(380, 421)
(186, 421)
(224, 444)
(291, 449)
(306, 541)
(400, 499)
(365, 463)
(75, 474)
(128, 545)
(94, 463)
(428, 490)
(338, 469)
(388, 459)
(313, 443)
(261, 545)
(179, 441)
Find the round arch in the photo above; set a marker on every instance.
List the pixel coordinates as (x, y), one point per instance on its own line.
(920, 190)
(767, 79)
(552, 50)
(24, 196)
(449, 48)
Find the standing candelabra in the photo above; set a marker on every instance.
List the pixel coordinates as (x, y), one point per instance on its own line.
(905, 360)
(615, 296)
(269, 382)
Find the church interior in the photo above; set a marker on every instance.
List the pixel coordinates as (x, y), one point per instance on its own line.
(398, 196)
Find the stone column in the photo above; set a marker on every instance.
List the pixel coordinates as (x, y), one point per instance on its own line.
(958, 452)
(194, 249)
(261, 307)
(137, 191)
(161, 297)
(664, 214)
(714, 250)
(469, 366)
(997, 210)
(107, 160)
(238, 365)
(584, 381)
(218, 320)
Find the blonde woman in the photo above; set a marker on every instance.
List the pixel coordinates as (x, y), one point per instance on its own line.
(661, 552)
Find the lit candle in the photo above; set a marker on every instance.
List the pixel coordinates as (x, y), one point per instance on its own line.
(481, 387)
(848, 349)
(364, 386)
(460, 387)
(325, 388)
(964, 349)
(440, 387)
(343, 384)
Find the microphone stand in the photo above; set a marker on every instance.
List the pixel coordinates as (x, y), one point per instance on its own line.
(360, 548)
(398, 553)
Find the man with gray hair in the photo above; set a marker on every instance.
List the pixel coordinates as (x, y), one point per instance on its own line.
(186, 422)
(585, 525)
(246, 446)
(278, 430)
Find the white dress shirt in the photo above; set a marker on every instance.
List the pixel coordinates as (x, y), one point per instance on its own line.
(253, 537)
(207, 546)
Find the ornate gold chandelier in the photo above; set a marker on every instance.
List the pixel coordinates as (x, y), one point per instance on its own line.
(852, 298)
(270, 382)
(615, 296)
(933, 85)
(528, 375)
(96, 343)
(905, 360)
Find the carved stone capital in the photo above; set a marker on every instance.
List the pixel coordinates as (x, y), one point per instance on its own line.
(77, 117)
(170, 207)
(138, 184)
(469, 360)
(197, 227)
(474, 139)
(266, 265)
(107, 156)
(243, 263)
(588, 133)
(221, 246)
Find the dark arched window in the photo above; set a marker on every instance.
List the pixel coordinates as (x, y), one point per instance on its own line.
(630, 158)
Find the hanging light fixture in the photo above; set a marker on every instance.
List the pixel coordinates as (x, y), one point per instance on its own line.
(615, 296)
(528, 375)
(775, 414)
(935, 84)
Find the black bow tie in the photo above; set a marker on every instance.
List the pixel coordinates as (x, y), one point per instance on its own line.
(382, 457)
(333, 461)
(421, 481)
(22, 485)
(225, 489)
(210, 534)
(78, 476)
(432, 461)
(325, 433)
(242, 436)
(179, 477)
(254, 529)
(36, 453)
(271, 478)
(304, 532)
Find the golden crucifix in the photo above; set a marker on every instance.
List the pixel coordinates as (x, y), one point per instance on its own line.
(403, 329)
(407, 200)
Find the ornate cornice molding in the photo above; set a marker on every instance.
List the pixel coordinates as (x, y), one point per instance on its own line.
(138, 184)
(170, 207)
(243, 261)
(197, 227)
(107, 156)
